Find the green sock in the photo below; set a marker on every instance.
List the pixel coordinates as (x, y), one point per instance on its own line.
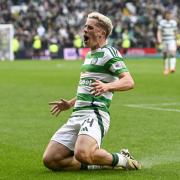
(115, 159)
(84, 166)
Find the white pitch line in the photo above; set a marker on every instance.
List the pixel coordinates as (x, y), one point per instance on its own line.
(143, 106)
(159, 104)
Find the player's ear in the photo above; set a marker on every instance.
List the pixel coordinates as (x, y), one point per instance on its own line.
(103, 33)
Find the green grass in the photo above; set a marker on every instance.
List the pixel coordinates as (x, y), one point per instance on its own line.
(151, 130)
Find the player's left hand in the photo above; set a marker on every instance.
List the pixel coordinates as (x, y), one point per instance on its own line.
(99, 88)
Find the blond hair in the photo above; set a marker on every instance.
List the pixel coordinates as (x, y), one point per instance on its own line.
(103, 21)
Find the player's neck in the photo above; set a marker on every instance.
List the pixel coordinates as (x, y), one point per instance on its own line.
(99, 45)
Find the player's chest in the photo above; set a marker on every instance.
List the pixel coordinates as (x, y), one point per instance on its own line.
(95, 59)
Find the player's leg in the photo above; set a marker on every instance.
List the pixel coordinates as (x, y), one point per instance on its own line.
(59, 152)
(173, 62)
(87, 148)
(88, 152)
(58, 157)
(166, 63)
(173, 49)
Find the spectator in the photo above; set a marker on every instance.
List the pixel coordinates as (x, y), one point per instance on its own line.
(77, 42)
(63, 18)
(37, 44)
(126, 43)
(15, 45)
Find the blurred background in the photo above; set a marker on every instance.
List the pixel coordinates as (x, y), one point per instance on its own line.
(48, 29)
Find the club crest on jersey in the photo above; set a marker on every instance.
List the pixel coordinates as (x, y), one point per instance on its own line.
(94, 60)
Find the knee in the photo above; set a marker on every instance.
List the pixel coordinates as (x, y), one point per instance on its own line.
(49, 161)
(83, 156)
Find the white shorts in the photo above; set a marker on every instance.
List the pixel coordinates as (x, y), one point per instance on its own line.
(89, 122)
(169, 46)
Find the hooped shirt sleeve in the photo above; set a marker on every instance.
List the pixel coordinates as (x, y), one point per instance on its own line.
(115, 64)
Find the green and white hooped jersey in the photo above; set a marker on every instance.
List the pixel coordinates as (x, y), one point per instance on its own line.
(104, 64)
(168, 29)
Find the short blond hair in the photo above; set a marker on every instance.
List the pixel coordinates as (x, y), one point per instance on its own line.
(103, 21)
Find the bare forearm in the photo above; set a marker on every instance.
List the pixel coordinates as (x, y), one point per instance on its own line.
(159, 36)
(123, 84)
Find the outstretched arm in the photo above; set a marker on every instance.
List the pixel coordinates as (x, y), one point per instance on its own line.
(62, 105)
(124, 83)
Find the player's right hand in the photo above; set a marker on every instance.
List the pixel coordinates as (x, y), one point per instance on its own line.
(59, 106)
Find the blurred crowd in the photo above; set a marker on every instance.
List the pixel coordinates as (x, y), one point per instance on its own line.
(60, 22)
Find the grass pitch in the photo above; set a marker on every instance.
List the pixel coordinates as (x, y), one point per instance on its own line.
(145, 120)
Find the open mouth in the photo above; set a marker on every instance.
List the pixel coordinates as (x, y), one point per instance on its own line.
(86, 38)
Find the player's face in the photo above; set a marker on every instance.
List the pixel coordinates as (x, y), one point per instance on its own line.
(92, 33)
(168, 16)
